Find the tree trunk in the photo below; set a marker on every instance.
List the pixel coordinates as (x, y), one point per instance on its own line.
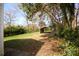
(1, 30)
(73, 22)
(76, 17)
(27, 25)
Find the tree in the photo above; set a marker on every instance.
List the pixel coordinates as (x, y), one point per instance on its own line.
(9, 17)
(61, 15)
(77, 13)
(31, 9)
(68, 11)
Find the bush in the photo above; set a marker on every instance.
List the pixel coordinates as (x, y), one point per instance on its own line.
(67, 33)
(59, 32)
(14, 30)
(70, 49)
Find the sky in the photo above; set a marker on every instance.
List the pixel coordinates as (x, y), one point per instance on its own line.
(19, 18)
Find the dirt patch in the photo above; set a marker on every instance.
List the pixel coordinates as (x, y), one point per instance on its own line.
(50, 48)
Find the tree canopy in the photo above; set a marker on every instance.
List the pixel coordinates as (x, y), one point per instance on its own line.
(60, 14)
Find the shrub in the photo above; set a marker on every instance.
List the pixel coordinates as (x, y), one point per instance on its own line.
(14, 30)
(70, 49)
(59, 32)
(67, 33)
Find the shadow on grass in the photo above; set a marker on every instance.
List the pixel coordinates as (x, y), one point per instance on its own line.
(29, 46)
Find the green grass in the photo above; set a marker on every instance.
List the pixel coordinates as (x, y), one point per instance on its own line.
(21, 36)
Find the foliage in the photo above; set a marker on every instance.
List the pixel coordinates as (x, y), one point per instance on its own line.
(70, 46)
(68, 11)
(59, 32)
(14, 30)
(70, 49)
(67, 33)
(53, 10)
(31, 9)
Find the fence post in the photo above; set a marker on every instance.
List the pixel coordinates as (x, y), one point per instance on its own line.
(1, 31)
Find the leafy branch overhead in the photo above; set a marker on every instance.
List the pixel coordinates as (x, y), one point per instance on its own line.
(58, 13)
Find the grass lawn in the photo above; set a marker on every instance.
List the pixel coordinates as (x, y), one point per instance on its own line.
(22, 42)
(21, 36)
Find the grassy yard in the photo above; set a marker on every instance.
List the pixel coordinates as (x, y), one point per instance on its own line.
(22, 42)
(21, 36)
